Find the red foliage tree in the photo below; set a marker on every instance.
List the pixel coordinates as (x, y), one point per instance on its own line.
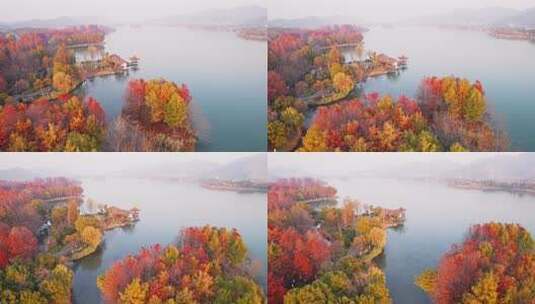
(505, 250)
(202, 257)
(295, 256)
(276, 86)
(45, 125)
(285, 192)
(21, 243)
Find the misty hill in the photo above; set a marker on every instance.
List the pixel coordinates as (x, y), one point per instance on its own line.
(248, 168)
(501, 168)
(239, 16)
(315, 21)
(190, 170)
(19, 174)
(466, 17)
(525, 19)
(59, 22)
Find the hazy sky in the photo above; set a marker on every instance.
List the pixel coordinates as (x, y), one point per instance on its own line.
(380, 10)
(344, 163)
(79, 163)
(14, 10)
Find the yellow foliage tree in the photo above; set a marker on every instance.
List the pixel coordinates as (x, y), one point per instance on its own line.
(62, 82)
(135, 293)
(91, 236)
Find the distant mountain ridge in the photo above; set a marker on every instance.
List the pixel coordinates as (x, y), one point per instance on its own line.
(467, 17)
(524, 19)
(248, 168)
(238, 16)
(489, 16)
(241, 16)
(251, 167)
(502, 168)
(19, 174)
(510, 167)
(315, 21)
(59, 22)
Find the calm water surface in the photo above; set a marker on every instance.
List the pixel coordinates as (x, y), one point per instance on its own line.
(167, 207)
(225, 74)
(506, 69)
(437, 217)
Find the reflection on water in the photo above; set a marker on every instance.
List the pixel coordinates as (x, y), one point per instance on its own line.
(506, 68)
(225, 74)
(437, 217)
(167, 207)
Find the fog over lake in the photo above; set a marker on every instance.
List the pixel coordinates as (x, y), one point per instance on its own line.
(225, 74)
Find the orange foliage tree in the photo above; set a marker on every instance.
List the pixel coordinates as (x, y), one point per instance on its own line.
(495, 264)
(64, 125)
(159, 112)
(207, 265)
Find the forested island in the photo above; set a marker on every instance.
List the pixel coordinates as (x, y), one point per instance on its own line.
(42, 232)
(244, 186)
(42, 108)
(322, 68)
(206, 265)
(494, 264)
(320, 252)
(155, 117)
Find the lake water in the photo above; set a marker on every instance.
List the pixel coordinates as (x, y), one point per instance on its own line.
(506, 69)
(437, 217)
(166, 207)
(225, 74)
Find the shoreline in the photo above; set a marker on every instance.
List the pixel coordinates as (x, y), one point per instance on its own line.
(510, 187)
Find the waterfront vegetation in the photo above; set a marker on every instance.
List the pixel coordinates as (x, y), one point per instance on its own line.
(67, 124)
(40, 109)
(156, 117)
(44, 232)
(206, 265)
(449, 115)
(494, 264)
(307, 69)
(39, 63)
(41, 232)
(303, 67)
(322, 253)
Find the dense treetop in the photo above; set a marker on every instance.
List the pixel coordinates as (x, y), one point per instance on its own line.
(494, 264)
(28, 274)
(321, 253)
(206, 265)
(158, 113)
(307, 69)
(67, 124)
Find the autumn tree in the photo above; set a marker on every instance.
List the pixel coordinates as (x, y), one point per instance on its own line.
(457, 111)
(157, 113)
(21, 243)
(42, 125)
(320, 253)
(371, 124)
(91, 236)
(495, 264)
(207, 265)
(342, 82)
